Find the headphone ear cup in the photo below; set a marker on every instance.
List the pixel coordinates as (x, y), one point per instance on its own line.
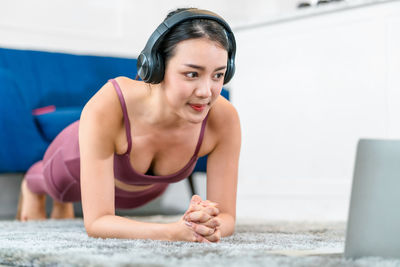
(158, 69)
(228, 76)
(143, 67)
(230, 70)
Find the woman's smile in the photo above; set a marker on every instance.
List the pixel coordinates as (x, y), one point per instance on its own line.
(198, 107)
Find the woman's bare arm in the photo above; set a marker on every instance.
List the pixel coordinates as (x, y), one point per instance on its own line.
(100, 120)
(222, 173)
(222, 166)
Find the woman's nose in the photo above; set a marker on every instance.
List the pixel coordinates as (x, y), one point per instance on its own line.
(204, 90)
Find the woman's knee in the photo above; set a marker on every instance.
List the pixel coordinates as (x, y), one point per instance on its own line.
(35, 179)
(61, 184)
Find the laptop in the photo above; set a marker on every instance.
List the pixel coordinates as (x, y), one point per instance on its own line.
(373, 225)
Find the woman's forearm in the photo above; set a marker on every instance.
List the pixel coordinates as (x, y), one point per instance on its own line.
(111, 226)
(227, 226)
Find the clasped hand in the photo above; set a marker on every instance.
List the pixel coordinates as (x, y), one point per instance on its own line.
(201, 218)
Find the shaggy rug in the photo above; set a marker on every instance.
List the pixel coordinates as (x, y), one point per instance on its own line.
(65, 243)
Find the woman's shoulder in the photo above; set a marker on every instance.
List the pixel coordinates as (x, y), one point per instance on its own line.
(132, 88)
(106, 99)
(104, 107)
(223, 116)
(223, 112)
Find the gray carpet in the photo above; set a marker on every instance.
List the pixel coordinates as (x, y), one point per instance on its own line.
(65, 243)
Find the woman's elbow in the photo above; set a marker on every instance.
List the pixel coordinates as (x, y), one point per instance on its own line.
(90, 229)
(229, 232)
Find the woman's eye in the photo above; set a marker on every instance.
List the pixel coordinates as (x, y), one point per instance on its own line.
(219, 75)
(191, 74)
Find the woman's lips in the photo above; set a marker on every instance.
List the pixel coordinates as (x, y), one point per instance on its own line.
(198, 107)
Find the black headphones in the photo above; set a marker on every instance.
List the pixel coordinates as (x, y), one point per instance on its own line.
(150, 63)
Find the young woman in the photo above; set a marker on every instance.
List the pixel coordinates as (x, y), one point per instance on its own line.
(136, 137)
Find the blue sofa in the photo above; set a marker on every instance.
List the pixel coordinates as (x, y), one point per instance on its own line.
(34, 79)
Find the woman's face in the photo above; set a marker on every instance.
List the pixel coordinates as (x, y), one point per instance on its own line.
(194, 77)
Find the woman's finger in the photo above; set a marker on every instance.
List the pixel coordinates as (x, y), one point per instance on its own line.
(202, 229)
(196, 199)
(212, 211)
(212, 223)
(198, 216)
(209, 203)
(215, 237)
(192, 208)
(200, 239)
(194, 205)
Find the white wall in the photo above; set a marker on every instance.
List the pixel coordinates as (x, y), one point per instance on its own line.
(306, 89)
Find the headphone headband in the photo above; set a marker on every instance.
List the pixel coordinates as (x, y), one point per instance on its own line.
(149, 62)
(180, 17)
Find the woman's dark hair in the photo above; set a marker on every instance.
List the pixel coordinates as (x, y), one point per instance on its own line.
(191, 29)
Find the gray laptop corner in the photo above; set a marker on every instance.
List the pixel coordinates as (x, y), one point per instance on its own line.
(373, 227)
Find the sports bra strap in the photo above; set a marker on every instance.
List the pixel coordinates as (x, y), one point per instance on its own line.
(125, 112)
(203, 127)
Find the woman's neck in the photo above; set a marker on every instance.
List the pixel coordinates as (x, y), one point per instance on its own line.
(159, 113)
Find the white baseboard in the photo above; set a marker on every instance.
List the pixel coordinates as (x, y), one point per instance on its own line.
(294, 199)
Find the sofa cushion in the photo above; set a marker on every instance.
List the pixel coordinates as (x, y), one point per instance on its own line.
(50, 124)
